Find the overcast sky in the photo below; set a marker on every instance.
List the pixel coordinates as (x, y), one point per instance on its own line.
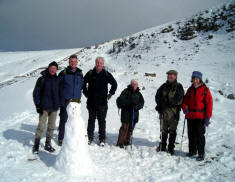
(57, 24)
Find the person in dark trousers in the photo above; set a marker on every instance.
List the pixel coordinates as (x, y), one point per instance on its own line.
(96, 90)
(71, 84)
(169, 98)
(197, 106)
(47, 102)
(130, 102)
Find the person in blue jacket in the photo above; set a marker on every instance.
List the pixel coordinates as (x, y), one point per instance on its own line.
(71, 84)
(96, 90)
(47, 101)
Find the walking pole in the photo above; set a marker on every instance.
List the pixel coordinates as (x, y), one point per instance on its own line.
(132, 125)
(181, 143)
(206, 137)
(161, 127)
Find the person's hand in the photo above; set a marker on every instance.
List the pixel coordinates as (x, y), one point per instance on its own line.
(207, 122)
(109, 96)
(39, 109)
(185, 111)
(134, 103)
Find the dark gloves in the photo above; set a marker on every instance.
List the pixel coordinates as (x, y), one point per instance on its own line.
(109, 96)
(185, 111)
(170, 103)
(85, 94)
(158, 108)
(207, 122)
(133, 103)
(39, 109)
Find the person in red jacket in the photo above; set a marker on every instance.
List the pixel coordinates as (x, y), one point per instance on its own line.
(197, 106)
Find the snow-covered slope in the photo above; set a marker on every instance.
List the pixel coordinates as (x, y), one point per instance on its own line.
(209, 48)
(17, 65)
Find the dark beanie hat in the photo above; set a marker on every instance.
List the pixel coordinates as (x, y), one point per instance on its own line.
(197, 74)
(53, 64)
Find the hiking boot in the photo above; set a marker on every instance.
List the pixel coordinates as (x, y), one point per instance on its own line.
(48, 146)
(171, 151)
(90, 140)
(36, 146)
(161, 148)
(200, 158)
(191, 154)
(162, 145)
(60, 142)
(102, 143)
(171, 144)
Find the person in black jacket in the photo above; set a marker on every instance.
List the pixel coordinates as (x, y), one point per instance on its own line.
(47, 102)
(169, 98)
(97, 98)
(130, 102)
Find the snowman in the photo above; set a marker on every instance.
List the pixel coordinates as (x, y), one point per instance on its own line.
(74, 158)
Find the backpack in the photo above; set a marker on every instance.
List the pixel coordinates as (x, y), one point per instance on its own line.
(41, 85)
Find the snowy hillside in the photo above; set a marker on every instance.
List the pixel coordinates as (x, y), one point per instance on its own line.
(204, 42)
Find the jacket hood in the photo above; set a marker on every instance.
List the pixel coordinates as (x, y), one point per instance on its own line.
(130, 88)
(46, 73)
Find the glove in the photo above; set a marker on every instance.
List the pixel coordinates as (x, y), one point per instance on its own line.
(39, 109)
(157, 108)
(171, 103)
(207, 122)
(185, 111)
(133, 103)
(109, 96)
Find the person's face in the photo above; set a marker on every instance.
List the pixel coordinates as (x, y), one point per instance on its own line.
(73, 62)
(196, 81)
(171, 78)
(52, 70)
(99, 64)
(134, 85)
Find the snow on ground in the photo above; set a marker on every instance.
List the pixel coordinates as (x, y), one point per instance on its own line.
(154, 52)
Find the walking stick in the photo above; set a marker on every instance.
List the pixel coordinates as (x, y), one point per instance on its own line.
(161, 127)
(132, 125)
(181, 143)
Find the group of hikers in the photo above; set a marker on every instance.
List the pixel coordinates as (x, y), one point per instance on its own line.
(53, 93)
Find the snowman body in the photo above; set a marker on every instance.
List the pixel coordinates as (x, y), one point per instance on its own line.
(74, 158)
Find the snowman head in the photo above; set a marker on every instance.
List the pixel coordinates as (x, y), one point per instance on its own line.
(74, 109)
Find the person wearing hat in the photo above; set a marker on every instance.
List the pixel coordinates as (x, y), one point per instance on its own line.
(47, 101)
(197, 107)
(169, 98)
(130, 102)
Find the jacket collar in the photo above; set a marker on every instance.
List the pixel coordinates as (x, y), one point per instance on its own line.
(202, 85)
(70, 70)
(94, 71)
(173, 83)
